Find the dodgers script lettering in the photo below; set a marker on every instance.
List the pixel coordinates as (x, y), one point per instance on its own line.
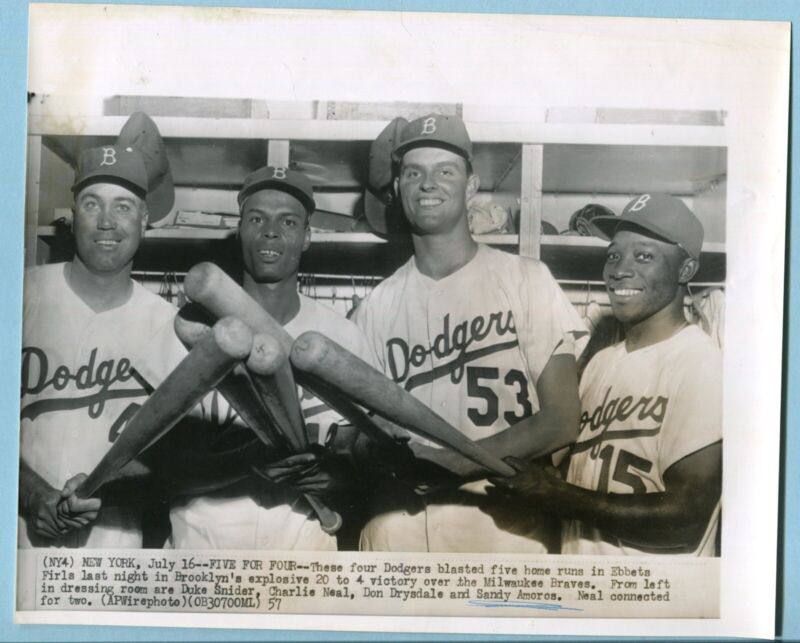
(100, 377)
(401, 357)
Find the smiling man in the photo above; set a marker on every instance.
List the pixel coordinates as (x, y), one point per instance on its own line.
(89, 333)
(484, 338)
(645, 475)
(275, 205)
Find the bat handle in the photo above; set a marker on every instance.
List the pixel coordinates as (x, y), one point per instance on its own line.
(329, 520)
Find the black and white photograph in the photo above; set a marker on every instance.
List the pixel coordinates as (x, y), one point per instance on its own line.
(333, 317)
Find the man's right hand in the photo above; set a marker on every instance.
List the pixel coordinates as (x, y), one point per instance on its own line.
(42, 512)
(48, 512)
(73, 511)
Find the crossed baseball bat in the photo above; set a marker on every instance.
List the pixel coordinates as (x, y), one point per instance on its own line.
(252, 361)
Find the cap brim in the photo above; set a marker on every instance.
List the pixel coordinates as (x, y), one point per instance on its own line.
(281, 186)
(608, 226)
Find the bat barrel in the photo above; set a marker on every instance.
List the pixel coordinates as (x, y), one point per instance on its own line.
(208, 285)
(344, 406)
(268, 355)
(191, 325)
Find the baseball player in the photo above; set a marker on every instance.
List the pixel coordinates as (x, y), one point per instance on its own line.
(645, 474)
(275, 207)
(484, 338)
(92, 340)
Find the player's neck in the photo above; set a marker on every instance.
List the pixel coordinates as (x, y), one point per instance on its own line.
(658, 327)
(279, 299)
(440, 255)
(99, 291)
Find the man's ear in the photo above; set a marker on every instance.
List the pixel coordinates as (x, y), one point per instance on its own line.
(145, 217)
(473, 183)
(688, 270)
(396, 186)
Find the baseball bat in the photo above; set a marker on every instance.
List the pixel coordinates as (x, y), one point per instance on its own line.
(212, 288)
(279, 396)
(191, 326)
(266, 362)
(236, 387)
(208, 285)
(265, 414)
(325, 359)
(200, 371)
(371, 426)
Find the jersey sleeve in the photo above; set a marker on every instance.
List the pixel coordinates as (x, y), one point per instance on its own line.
(694, 416)
(551, 325)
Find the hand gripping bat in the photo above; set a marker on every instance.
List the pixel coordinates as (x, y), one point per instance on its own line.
(255, 396)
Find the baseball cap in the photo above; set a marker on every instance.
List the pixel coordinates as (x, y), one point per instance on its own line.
(434, 130)
(141, 133)
(381, 205)
(380, 154)
(666, 216)
(279, 178)
(122, 166)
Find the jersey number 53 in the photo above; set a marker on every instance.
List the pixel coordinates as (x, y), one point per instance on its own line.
(494, 395)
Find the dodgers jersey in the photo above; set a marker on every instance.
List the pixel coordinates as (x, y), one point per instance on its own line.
(84, 374)
(643, 411)
(471, 346)
(253, 514)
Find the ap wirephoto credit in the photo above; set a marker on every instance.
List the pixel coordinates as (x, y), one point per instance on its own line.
(474, 330)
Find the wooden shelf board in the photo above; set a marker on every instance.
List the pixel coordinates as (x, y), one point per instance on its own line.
(309, 129)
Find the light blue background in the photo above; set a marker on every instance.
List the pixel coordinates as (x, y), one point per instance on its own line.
(13, 65)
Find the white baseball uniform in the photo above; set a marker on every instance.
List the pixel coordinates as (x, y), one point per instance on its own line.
(83, 375)
(472, 347)
(252, 514)
(642, 412)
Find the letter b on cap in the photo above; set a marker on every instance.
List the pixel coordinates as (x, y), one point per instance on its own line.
(640, 204)
(429, 125)
(279, 173)
(109, 156)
